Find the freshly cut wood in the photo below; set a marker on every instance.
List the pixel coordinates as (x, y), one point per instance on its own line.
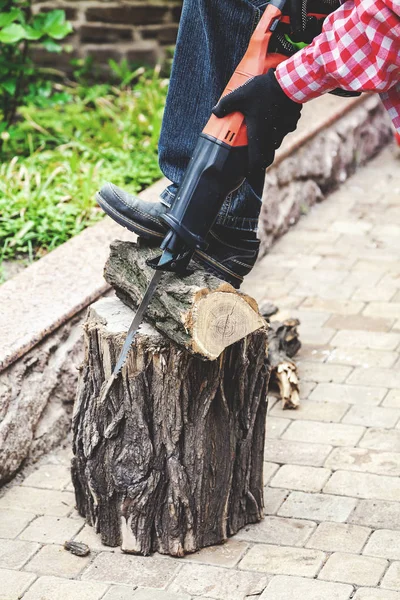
(172, 460)
(199, 312)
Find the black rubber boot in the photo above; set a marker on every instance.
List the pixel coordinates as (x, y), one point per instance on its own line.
(231, 253)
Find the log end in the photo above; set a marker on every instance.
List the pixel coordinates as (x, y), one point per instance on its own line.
(219, 318)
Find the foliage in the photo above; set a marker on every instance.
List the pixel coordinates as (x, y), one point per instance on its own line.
(20, 78)
(56, 157)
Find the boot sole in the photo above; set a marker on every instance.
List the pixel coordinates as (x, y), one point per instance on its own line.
(210, 264)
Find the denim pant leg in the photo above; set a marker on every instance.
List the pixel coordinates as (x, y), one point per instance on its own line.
(213, 36)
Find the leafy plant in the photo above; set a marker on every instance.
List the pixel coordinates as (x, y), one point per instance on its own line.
(59, 156)
(20, 78)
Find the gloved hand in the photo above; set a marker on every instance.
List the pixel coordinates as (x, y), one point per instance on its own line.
(270, 115)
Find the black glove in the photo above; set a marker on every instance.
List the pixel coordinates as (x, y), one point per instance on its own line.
(269, 115)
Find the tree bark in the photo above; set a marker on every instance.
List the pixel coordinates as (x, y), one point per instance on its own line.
(172, 461)
(199, 312)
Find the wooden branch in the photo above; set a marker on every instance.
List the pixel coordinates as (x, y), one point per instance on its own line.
(172, 460)
(199, 312)
(283, 344)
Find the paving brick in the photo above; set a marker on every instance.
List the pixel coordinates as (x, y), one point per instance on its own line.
(297, 588)
(89, 536)
(226, 555)
(375, 377)
(279, 531)
(385, 544)
(314, 411)
(316, 353)
(365, 461)
(57, 588)
(53, 477)
(268, 471)
(37, 501)
(344, 307)
(331, 291)
(377, 514)
(366, 339)
(149, 594)
(12, 522)
(318, 507)
(316, 336)
(351, 394)
(297, 477)
(14, 553)
(131, 570)
(273, 500)
(374, 594)
(392, 400)
(310, 371)
(296, 453)
(350, 568)
(381, 439)
(392, 577)
(359, 322)
(336, 434)
(351, 226)
(320, 275)
(14, 584)
(126, 592)
(357, 357)
(217, 583)
(54, 560)
(391, 310)
(374, 293)
(373, 417)
(275, 427)
(364, 485)
(358, 277)
(285, 560)
(334, 537)
(51, 530)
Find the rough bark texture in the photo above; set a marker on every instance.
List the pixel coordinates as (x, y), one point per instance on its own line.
(199, 312)
(172, 461)
(36, 396)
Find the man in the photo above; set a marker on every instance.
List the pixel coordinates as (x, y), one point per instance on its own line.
(357, 50)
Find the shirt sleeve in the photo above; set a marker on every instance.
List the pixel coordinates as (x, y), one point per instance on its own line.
(358, 49)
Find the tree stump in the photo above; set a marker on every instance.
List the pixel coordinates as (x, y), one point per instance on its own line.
(172, 460)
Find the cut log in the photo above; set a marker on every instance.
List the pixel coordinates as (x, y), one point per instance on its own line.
(172, 460)
(198, 312)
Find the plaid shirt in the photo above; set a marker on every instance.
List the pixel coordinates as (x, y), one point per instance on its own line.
(358, 49)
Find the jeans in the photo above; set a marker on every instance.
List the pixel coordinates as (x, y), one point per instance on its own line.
(212, 39)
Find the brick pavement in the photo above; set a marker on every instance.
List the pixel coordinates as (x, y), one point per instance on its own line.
(332, 519)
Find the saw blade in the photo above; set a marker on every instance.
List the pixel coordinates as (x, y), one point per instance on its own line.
(137, 320)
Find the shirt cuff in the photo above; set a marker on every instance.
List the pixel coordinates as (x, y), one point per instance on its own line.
(302, 78)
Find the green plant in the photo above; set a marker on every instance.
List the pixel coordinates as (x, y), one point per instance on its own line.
(20, 78)
(59, 156)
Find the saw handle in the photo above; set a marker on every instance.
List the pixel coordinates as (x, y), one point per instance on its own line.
(231, 129)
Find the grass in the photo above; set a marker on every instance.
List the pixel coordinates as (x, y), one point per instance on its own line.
(55, 158)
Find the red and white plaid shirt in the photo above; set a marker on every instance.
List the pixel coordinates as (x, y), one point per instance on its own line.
(358, 49)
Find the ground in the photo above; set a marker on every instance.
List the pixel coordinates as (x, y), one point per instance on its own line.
(332, 488)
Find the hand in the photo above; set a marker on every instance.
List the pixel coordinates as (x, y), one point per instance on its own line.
(269, 115)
